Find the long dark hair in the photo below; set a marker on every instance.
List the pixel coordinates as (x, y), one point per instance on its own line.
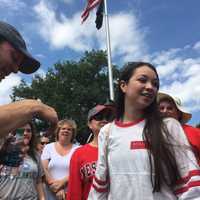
(161, 156)
(32, 144)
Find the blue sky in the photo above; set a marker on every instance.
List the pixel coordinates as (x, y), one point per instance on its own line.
(166, 33)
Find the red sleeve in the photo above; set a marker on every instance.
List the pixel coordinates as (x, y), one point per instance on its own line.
(74, 190)
(193, 135)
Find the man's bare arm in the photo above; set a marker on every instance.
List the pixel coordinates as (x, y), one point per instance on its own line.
(17, 114)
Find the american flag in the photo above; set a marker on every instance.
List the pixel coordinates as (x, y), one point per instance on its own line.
(90, 5)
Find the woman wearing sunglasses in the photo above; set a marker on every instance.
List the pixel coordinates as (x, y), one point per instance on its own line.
(42, 141)
(83, 161)
(21, 178)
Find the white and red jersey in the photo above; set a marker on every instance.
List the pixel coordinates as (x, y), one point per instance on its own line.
(123, 168)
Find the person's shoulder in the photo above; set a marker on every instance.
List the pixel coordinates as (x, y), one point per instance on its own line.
(170, 121)
(79, 150)
(75, 145)
(38, 157)
(50, 145)
(172, 125)
(83, 148)
(187, 127)
(106, 127)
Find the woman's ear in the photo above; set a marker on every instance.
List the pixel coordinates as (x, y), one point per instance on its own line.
(123, 85)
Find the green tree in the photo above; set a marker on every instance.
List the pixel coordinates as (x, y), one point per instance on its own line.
(71, 87)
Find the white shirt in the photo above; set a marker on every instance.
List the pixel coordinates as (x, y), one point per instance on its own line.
(58, 165)
(123, 169)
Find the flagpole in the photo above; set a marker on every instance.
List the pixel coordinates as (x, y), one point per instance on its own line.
(110, 74)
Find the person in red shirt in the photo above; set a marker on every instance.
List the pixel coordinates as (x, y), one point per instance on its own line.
(171, 107)
(83, 161)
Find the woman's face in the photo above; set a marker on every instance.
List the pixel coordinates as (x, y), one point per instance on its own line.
(65, 133)
(43, 142)
(27, 133)
(141, 89)
(168, 109)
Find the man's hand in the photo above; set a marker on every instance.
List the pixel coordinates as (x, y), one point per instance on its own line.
(19, 113)
(44, 112)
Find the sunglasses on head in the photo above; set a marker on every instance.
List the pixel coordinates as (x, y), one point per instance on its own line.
(108, 116)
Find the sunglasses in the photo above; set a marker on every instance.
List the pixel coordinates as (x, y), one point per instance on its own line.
(108, 116)
(44, 143)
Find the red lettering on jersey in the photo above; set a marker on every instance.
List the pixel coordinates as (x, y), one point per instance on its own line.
(138, 145)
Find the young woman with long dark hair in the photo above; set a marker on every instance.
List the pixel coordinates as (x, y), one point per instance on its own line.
(22, 180)
(141, 155)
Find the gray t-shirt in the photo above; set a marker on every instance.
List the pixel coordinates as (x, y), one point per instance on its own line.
(20, 183)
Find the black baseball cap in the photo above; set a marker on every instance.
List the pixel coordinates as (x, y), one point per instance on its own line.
(10, 34)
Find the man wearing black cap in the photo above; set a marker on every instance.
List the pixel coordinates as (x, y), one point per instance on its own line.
(15, 57)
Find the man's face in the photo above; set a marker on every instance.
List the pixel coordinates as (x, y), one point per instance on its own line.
(168, 109)
(10, 59)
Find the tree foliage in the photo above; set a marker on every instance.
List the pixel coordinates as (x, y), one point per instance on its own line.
(71, 87)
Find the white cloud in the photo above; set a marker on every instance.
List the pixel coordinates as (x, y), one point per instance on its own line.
(168, 67)
(60, 32)
(12, 4)
(40, 55)
(187, 46)
(163, 56)
(7, 84)
(180, 76)
(6, 87)
(197, 46)
(67, 1)
(40, 72)
(127, 39)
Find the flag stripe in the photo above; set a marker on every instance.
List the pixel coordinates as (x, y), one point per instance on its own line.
(90, 5)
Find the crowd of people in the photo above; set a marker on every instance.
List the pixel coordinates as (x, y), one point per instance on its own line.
(139, 148)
